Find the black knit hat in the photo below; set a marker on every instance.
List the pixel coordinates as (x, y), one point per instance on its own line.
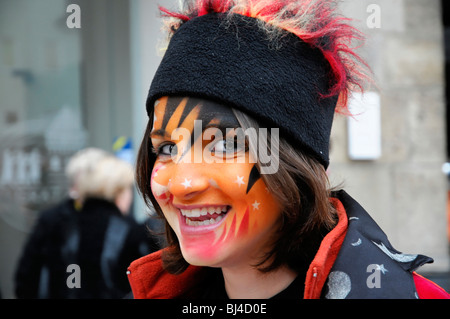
(234, 63)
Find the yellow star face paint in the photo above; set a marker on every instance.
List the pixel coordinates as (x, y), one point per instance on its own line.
(207, 184)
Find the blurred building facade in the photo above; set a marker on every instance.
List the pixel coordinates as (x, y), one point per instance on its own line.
(64, 88)
(404, 187)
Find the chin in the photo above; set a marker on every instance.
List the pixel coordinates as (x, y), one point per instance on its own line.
(200, 256)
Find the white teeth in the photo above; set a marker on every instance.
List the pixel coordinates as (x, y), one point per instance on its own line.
(197, 212)
(205, 222)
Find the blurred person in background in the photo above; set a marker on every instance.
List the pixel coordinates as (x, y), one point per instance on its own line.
(90, 229)
(41, 269)
(80, 166)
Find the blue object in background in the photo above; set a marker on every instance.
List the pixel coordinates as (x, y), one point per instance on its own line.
(123, 149)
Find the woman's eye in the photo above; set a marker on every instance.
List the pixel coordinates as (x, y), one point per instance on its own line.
(220, 146)
(227, 146)
(167, 149)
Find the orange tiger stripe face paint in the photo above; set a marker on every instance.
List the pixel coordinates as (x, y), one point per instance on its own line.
(219, 206)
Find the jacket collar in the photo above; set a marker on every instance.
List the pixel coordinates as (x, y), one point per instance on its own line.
(367, 265)
(148, 279)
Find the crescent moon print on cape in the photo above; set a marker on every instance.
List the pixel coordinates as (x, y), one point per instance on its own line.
(403, 258)
(357, 243)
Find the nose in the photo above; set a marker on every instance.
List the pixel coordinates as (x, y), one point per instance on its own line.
(188, 181)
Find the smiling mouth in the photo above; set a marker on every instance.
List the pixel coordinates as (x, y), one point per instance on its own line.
(204, 216)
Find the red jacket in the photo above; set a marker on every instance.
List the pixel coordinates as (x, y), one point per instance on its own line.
(149, 280)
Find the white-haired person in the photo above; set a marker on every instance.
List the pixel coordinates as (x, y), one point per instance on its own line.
(79, 167)
(89, 229)
(108, 239)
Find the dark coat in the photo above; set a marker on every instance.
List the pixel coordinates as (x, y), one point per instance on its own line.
(97, 239)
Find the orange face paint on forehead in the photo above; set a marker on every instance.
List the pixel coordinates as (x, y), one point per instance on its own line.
(173, 112)
(218, 210)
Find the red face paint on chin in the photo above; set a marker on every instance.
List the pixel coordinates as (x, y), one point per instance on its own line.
(197, 240)
(221, 213)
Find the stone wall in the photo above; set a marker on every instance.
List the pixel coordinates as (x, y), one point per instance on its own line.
(404, 189)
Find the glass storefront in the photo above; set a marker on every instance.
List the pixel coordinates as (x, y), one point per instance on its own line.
(42, 124)
(64, 87)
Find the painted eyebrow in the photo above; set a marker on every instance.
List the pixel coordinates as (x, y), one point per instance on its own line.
(159, 132)
(221, 127)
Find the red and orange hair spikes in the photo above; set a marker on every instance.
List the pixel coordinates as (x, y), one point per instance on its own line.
(314, 21)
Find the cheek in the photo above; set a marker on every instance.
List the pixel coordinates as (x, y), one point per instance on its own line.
(259, 209)
(264, 208)
(256, 210)
(244, 186)
(249, 228)
(159, 184)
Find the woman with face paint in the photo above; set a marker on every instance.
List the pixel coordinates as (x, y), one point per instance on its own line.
(235, 154)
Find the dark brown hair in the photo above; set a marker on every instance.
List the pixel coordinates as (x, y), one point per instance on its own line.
(300, 185)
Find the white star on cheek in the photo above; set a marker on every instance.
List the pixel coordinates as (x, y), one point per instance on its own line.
(239, 180)
(256, 205)
(186, 183)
